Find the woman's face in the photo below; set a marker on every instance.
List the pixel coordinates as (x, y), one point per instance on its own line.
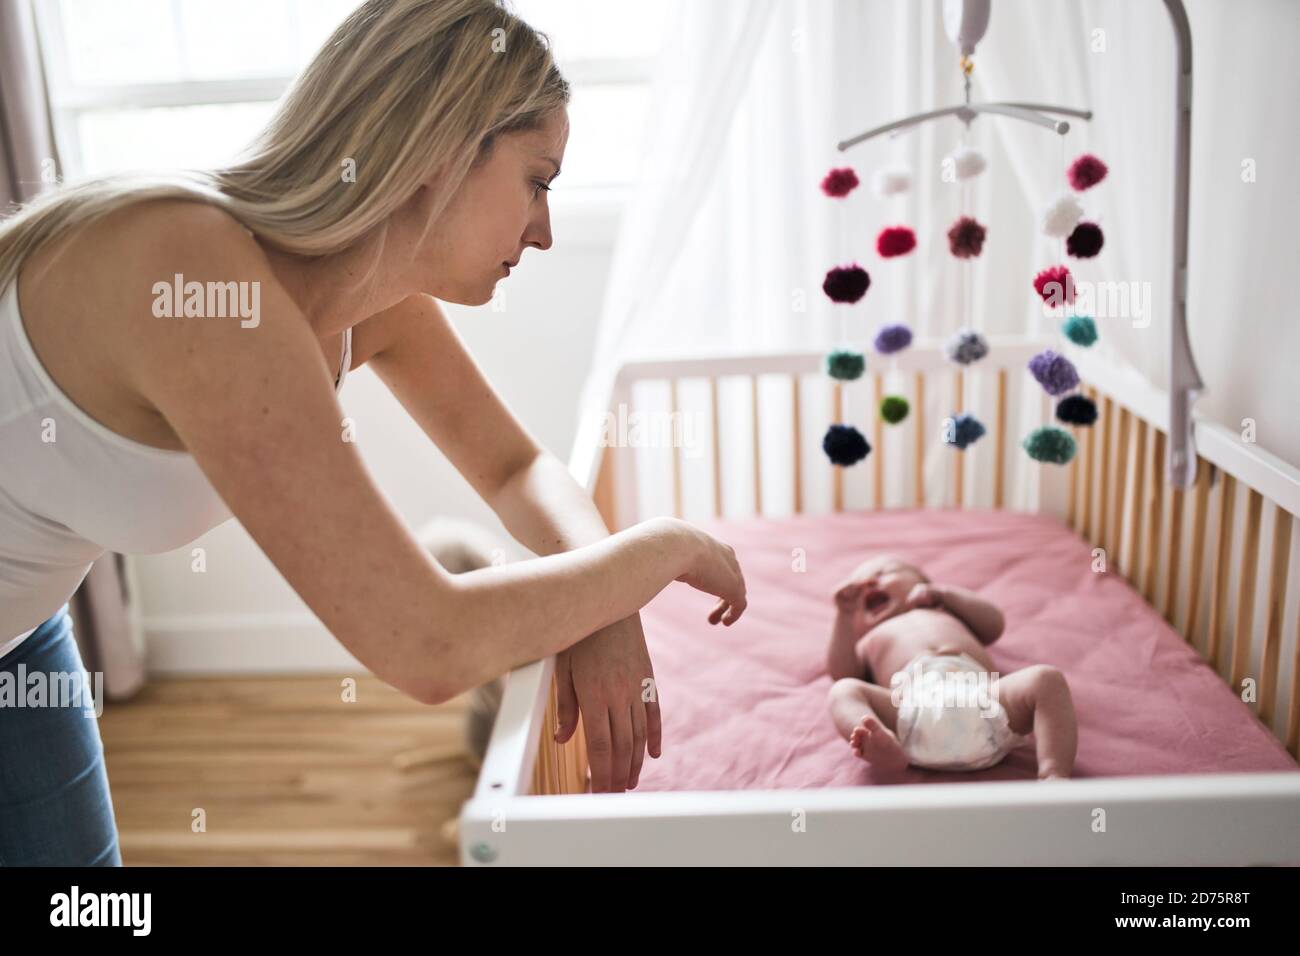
(498, 212)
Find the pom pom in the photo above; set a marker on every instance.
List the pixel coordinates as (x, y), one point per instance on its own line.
(967, 346)
(1054, 372)
(1050, 444)
(846, 283)
(1055, 285)
(1060, 218)
(966, 238)
(893, 338)
(967, 163)
(840, 182)
(844, 445)
(895, 241)
(894, 408)
(1086, 240)
(891, 181)
(965, 430)
(1086, 172)
(845, 364)
(1077, 410)
(1080, 330)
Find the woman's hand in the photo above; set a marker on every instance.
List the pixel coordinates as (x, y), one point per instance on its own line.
(714, 569)
(610, 678)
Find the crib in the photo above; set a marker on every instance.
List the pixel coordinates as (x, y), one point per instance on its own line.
(1183, 550)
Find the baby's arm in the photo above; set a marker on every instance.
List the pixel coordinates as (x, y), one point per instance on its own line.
(842, 656)
(981, 616)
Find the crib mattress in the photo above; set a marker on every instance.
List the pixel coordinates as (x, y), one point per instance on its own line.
(745, 707)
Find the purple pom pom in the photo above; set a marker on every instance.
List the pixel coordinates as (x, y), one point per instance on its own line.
(893, 338)
(1054, 372)
(846, 283)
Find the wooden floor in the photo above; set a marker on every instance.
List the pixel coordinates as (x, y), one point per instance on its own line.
(286, 774)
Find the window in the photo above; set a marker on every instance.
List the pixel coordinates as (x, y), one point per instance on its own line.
(175, 83)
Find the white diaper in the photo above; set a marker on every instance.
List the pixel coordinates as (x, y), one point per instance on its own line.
(953, 722)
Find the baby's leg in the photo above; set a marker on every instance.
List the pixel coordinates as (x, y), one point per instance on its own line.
(867, 719)
(1038, 699)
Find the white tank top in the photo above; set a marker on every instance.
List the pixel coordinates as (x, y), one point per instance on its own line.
(65, 502)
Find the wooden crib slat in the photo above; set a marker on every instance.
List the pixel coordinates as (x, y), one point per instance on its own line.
(1219, 574)
(1117, 559)
(758, 477)
(1246, 594)
(1277, 575)
(1089, 458)
(920, 440)
(1139, 498)
(1155, 514)
(1000, 446)
(1103, 498)
(1204, 473)
(796, 445)
(717, 448)
(959, 460)
(1173, 542)
(878, 435)
(677, 451)
(1293, 718)
(837, 472)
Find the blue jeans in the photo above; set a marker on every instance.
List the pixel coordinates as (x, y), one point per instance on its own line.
(55, 807)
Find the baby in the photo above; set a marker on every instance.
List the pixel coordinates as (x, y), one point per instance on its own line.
(928, 698)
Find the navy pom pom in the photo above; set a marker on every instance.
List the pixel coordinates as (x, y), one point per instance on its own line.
(1077, 410)
(846, 283)
(844, 445)
(1086, 240)
(965, 430)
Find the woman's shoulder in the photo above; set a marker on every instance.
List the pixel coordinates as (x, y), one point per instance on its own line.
(162, 232)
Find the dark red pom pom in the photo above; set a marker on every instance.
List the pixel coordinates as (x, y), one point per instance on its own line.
(840, 182)
(1086, 240)
(966, 238)
(1055, 285)
(846, 283)
(1086, 172)
(895, 241)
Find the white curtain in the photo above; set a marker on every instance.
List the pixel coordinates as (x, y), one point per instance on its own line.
(727, 240)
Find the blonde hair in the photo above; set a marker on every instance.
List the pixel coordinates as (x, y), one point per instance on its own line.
(402, 90)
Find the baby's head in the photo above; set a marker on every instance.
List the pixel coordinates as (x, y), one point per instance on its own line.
(889, 579)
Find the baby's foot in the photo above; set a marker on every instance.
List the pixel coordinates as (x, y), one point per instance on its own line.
(875, 743)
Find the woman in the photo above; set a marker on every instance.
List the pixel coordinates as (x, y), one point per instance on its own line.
(410, 161)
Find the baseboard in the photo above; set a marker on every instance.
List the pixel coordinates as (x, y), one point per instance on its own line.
(235, 644)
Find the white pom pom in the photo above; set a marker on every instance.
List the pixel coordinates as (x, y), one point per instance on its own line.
(968, 163)
(891, 181)
(1060, 218)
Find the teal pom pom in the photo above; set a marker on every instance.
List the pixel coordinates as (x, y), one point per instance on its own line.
(894, 408)
(1050, 444)
(845, 364)
(1080, 330)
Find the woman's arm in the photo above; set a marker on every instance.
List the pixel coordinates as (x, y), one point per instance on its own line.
(608, 677)
(256, 409)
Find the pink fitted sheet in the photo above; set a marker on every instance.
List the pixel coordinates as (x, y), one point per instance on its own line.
(745, 706)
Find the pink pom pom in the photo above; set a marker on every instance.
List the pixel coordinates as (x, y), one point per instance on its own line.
(1055, 285)
(895, 241)
(840, 182)
(1086, 172)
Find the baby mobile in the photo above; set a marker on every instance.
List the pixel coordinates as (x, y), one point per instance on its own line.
(1064, 219)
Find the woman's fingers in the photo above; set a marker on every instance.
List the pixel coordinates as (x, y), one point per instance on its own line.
(620, 767)
(599, 747)
(653, 726)
(637, 713)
